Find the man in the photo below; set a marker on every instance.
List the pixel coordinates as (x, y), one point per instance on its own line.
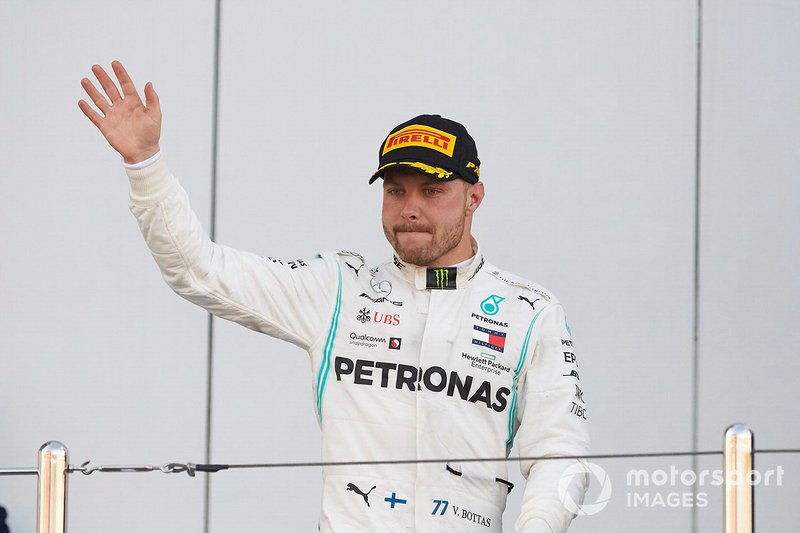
(433, 355)
(3, 516)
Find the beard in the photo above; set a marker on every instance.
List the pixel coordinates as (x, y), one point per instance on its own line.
(442, 242)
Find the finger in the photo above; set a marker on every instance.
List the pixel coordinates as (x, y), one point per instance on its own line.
(125, 81)
(98, 99)
(153, 103)
(90, 113)
(107, 83)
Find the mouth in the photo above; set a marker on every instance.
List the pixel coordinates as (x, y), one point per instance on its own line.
(407, 229)
(411, 237)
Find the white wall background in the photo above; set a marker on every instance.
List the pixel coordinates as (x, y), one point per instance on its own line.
(585, 118)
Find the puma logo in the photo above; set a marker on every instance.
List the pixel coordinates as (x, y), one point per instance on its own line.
(354, 268)
(529, 302)
(353, 488)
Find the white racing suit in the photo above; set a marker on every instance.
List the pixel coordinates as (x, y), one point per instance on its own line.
(408, 364)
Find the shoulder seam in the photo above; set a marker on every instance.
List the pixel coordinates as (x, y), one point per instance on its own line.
(524, 284)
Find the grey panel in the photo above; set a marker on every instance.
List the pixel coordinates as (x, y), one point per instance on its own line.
(97, 352)
(584, 119)
(750, 240)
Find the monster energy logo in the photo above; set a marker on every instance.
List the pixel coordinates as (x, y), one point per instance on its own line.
(441, 278)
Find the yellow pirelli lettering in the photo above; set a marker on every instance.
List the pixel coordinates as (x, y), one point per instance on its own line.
(424, 136)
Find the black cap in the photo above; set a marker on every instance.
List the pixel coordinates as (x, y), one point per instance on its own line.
(433, 145)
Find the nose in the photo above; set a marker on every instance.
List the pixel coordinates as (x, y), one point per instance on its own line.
(410, 207)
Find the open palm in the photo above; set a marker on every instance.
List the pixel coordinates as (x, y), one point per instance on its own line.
(132, 128)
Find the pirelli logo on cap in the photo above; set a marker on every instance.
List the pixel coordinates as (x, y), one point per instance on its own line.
(424, 136)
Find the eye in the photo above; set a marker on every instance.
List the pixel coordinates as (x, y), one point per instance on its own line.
(432, 191)
(392, 191)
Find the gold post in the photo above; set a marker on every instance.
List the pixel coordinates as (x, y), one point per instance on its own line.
(738, 462)
(51, 503)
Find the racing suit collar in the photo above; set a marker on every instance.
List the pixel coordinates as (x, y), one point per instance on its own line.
(443, 278)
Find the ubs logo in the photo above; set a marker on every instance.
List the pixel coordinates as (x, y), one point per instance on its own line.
(390, 320)
(365, 315)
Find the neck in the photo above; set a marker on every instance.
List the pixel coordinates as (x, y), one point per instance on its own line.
(465, 250)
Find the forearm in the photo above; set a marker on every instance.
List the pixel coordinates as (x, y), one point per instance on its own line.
(183, 251)
(553, 423)
(267, 296)
(545, 508)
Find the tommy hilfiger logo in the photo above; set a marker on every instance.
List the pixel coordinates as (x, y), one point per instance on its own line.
(489, 338)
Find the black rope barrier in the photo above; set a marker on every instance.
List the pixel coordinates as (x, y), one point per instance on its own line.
(191, 468)
(217, 467)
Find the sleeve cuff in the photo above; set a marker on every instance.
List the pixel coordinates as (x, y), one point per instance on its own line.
(536, 525)
(151, 184)
(146, 163)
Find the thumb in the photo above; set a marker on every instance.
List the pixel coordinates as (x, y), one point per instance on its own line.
(151, 99)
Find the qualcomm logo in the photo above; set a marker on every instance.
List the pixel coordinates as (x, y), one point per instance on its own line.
(584, 469)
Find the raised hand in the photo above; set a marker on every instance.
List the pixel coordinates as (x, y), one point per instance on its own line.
(132, 128)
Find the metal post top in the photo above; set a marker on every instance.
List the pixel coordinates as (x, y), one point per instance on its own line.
(738, 430)
(53, 447)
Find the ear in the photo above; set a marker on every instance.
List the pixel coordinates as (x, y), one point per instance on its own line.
(475, 193)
